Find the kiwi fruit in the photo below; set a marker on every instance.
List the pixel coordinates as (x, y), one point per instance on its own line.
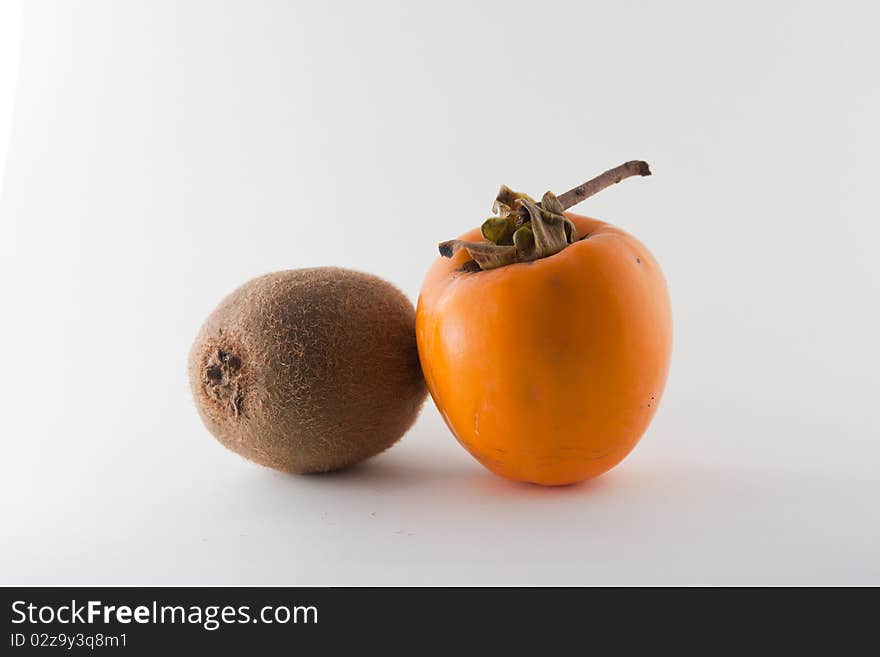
(309, 370)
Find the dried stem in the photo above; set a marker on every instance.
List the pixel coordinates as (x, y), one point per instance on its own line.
(611, 177)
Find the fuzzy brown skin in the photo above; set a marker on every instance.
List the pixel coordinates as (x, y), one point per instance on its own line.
(309, 370)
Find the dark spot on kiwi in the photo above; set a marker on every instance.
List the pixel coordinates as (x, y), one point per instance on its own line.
(237, 400)
(222, 381)
(309, 370)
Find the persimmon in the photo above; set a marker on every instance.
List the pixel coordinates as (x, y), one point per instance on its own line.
(545, 337)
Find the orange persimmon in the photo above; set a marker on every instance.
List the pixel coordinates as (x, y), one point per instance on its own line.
(547, 368)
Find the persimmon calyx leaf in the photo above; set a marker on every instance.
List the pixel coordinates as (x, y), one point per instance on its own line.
(498, 230)
(524, 241)
(524, 230)
(485, 254)
(507, 200)
(548, 229)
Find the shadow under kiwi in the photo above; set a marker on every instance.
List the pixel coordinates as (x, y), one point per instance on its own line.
(394, 471)
(417, 471)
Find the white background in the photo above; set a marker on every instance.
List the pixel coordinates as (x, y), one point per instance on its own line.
(164, 152)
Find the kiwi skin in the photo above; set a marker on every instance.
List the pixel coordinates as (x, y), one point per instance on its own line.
(309, 370)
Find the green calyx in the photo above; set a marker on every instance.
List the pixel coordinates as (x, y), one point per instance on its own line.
(523, 230)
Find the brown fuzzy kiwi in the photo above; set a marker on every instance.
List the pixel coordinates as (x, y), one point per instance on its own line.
(309, 370)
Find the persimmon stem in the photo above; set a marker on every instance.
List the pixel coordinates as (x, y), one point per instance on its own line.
(611, 177)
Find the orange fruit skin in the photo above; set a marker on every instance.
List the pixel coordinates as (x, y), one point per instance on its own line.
(550, 371)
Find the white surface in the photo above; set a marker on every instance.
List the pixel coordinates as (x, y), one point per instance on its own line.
(164, 152)
(10, 44)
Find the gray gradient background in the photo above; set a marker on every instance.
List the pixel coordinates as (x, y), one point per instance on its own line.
(161, 153)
